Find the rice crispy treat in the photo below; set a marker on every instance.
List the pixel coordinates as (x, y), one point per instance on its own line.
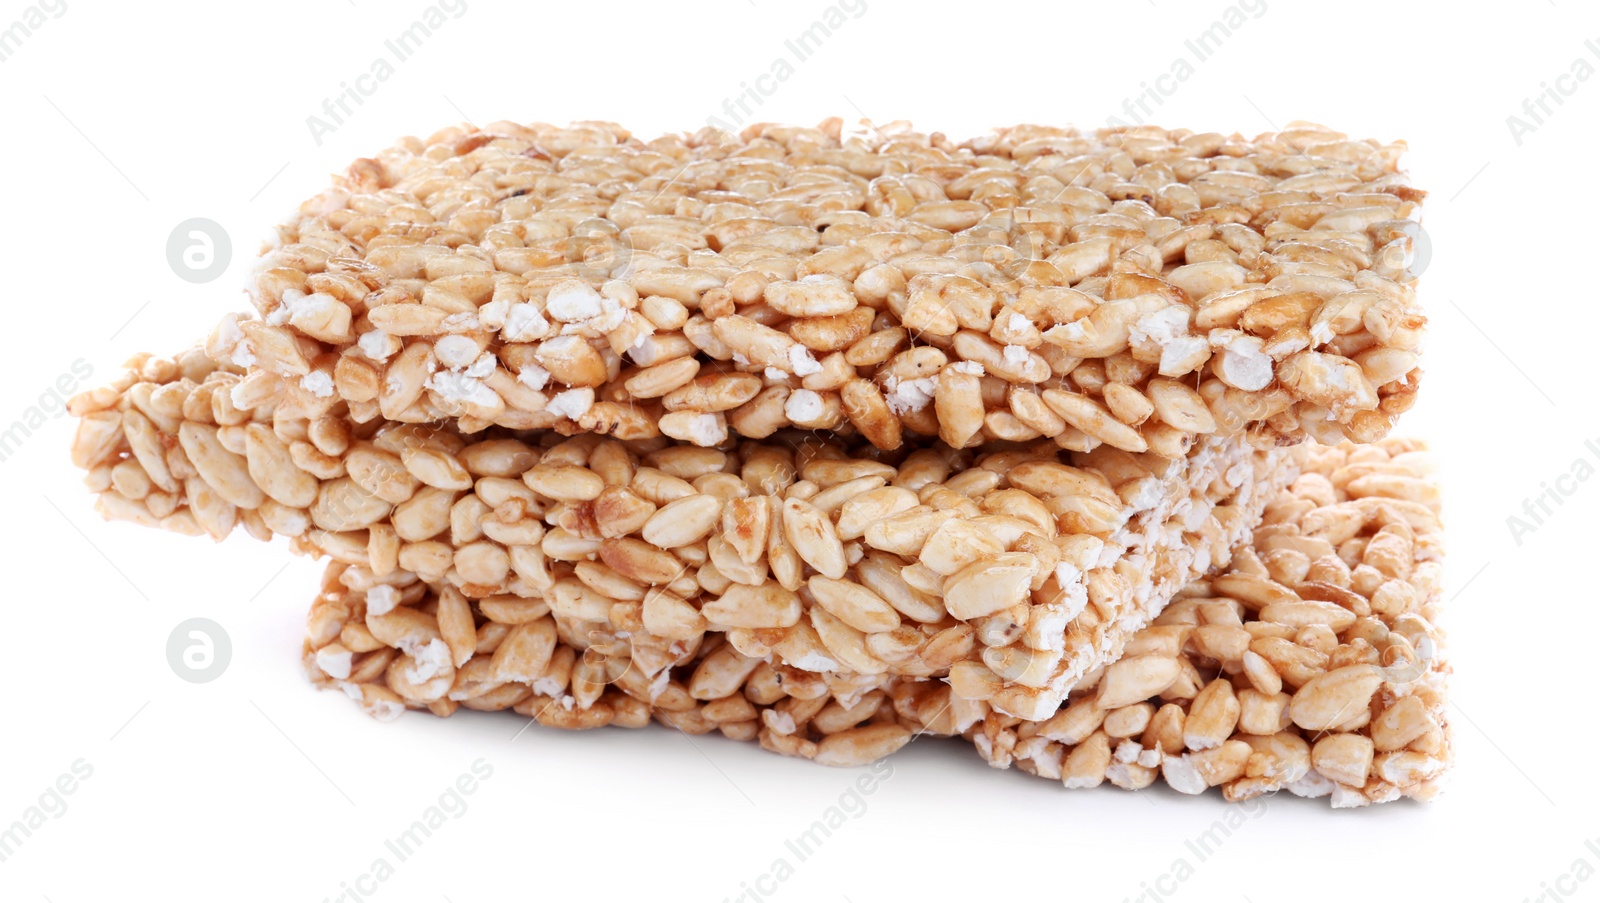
(1313, 663)
(1027, 565)
(830, 440)
(1132, 287)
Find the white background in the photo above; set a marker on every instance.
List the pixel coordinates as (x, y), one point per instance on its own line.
(124, 119)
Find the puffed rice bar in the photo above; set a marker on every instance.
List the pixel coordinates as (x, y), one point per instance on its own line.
(1328, 663)
(1023, 570)
(1314, 664)
(1131, 287)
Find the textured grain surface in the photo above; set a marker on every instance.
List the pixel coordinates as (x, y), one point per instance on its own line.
(1313, 663)
(1028, 564)
(1128, 287)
